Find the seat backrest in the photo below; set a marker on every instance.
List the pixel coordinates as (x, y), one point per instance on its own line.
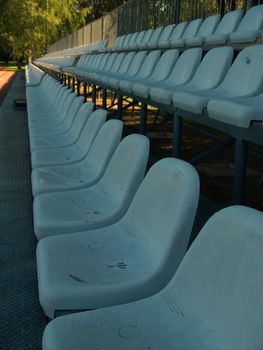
(166, 33)
(104, 145)
(148, 64)
(126, 40)
(132, 40)
(155, 36)
(178, 31)
(139, 37)
(192, 28)
(208, 26)
(165, 64)
(245, 76)
(146, 38)
(253, 19)
(185, 67)
(73, 110)
(82, 115)
(229, 22)
(163, 211)
(213, 68)
(90, 129)
(219, 284)
(126, 170)
(126, 62)
(117, 62)
(110, 61)
(118, 42)
(136, 63)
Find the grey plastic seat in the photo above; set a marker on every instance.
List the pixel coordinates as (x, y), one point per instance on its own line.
(131, 71)
(65, 122)
(137, 256)
(70, 137)
(250, 27)
(145, 40)
(130, 42)
(85, 173)
(107, 67)
(161, 72)
(207, 28)
(208, 75)
(144, 72)
(123, 68)
(34, 75)
(163, 42)
(227, 25)
(244, 79)
(182, 72)
(137, 41)
(212, 303)
(153, 42)
(240, 112)
(103, 78)
(100, 205)
(72, 153)
(189, 31)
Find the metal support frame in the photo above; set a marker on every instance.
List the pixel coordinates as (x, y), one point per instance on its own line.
(177, 135)
(85, 91)
(119, 108)
(94, 95)
(104, 98)
(73, 84)
(143, 118)
(241, 148)
(78, 87)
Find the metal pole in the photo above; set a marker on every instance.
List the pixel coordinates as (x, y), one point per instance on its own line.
(177, 135)
(177, 11)
(119, 110)
(143, 117)
(239, 171)
(104, 98)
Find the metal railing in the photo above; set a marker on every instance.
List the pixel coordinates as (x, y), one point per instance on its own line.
(137, 15)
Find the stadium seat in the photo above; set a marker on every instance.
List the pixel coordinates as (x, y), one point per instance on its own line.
(127, 261)
(72, 153)
(160, 73)
(213, 302)
(227, 25)
(84, 173)
(163, 41)
(244, 78)
(100, 205)
(153, 42)
(189, 32)
(207, 28)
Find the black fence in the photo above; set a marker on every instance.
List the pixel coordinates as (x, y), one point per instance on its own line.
(137, 15)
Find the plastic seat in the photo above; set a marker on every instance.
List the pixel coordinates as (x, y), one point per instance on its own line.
(34, 75)
(227, 25)
(212, 303)
(250, 27)
(72, 153)
(145, 71)
(189, 31)
(207, 28)
(130, 42)
(137, 41)
(70, 137)
(123, 68)
(161, 72)
(103, 78)
(244, 79)
(153, 42)
(137, 256)
(142, 45)
(240, 112)
(163, 42)
(107, 67)
(182, 72)
(100, 205)
(64, 123)
(132, 70)
(85, 173)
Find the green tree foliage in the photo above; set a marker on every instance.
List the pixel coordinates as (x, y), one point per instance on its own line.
(28, 26)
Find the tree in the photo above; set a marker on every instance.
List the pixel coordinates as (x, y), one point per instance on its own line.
(28, 26)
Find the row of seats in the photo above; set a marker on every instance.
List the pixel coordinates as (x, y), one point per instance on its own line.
(66, 58)
(233, 28)
(90, 258)
(188, 81)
